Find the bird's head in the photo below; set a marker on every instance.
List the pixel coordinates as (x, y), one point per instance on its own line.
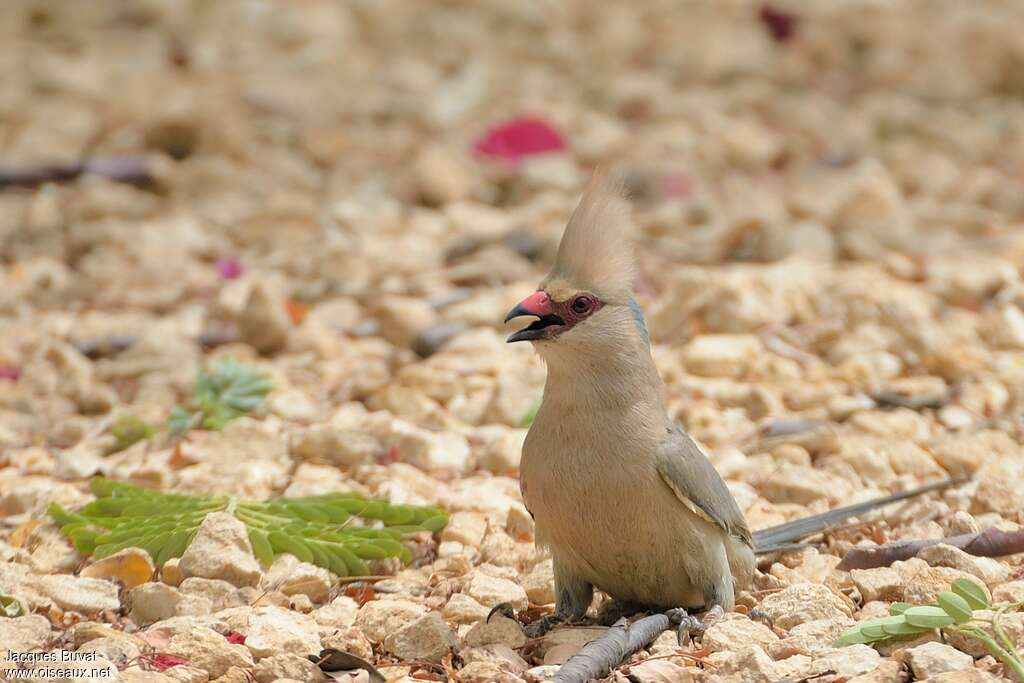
(586, 302)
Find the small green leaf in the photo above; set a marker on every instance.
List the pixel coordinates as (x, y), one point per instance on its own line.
(127, 431)
(283, 543)
(877, 629)
(972, 593)
(899, 607)
(955, 606)
(852, 637)
(261, 547)
(902, 628)
(927, 616)
(435, 523)
(10, 606)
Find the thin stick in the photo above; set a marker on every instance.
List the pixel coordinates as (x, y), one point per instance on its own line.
(991, 542)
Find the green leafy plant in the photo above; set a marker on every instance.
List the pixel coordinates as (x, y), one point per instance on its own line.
(956, 609)
(223, 391)
(325, 530)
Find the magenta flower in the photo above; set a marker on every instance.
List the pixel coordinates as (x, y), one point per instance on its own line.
(518, 138)
(230, 267)
(9, 372)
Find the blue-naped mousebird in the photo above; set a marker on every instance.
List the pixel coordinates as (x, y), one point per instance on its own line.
(623, 498)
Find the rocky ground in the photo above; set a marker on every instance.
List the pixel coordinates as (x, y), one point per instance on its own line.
(828, 208)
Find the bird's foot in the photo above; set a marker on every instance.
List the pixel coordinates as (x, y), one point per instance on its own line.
(540, 627)
(535, 629)
(693, 628)
(505, 609)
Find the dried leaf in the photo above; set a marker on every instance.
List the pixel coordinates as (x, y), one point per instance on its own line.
(332, 660)
(20, 535)
(132, 567)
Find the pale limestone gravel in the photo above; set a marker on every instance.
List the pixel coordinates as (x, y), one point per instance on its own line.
(831, 261)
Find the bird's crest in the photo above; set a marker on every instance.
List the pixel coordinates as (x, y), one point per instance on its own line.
(596, 252)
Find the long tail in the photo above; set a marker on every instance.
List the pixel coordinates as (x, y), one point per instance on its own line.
(785, 536)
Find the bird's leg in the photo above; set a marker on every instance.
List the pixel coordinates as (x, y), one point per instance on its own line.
(572, 598)
(691, 627)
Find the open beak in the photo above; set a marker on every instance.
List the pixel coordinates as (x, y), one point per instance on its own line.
(537, 304)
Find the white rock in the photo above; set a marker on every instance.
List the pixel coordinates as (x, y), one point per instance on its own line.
(428, 637)
(734, 631)
(467, 528)
(490, 591)
(378, 618)
(291, 576)
(498, 631)
(932, 659)
(539, 584)
(804, 602)
(273, 630)
(721, 355)
(498, 448)
(117, 649)
(154, 601)
(221, 550)
(989, 570)
(220, 594)
(24, 634)
(400, 319)
(263, 323)
(848, 662)
(462, 609)
(289, 666)
(881, 583)
(72, 593)
(339, 613)
(209, 651)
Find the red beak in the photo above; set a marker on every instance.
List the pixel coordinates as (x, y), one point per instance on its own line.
(539, 305)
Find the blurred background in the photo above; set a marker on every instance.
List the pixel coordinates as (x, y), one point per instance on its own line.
(827, 193)
(348, 196)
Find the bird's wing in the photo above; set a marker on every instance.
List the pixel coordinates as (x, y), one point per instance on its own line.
(697, 485)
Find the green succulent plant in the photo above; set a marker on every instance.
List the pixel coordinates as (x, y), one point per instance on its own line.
(329, 530)
(223, 391)
(953, 609)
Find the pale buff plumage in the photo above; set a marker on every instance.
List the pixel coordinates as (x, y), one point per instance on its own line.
(623, 499)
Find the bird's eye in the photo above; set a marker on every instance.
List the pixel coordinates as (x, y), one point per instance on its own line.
(582, 304)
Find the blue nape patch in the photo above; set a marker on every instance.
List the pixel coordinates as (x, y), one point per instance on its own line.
(638, 316)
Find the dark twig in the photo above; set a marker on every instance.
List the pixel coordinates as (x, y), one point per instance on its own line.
(991, 542)
(600, 656)
(127, 169)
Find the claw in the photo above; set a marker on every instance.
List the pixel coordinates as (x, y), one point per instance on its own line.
(758, 614)
(542, 625)
(505, 609)
(690, 627)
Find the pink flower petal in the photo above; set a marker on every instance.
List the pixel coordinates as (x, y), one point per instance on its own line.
(781, 25)
(230, 267)
(677, 185)
(235, 638)
(518, 138)
(9, 372)
(163, 662)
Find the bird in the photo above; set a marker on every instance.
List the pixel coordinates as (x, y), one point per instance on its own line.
(622, 497)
